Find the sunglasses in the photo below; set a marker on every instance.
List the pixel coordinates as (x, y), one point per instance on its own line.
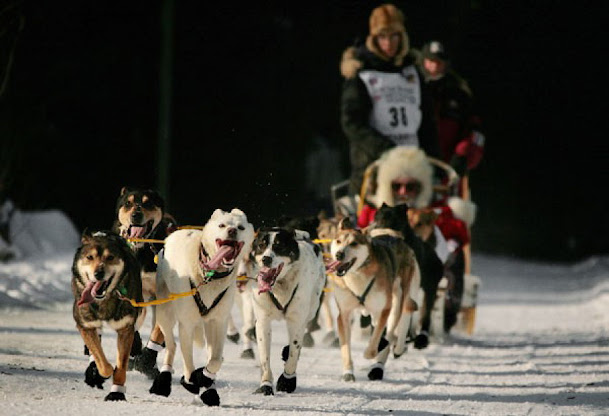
(410, 187)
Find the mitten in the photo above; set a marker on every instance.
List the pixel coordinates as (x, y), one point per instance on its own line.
(472, 148)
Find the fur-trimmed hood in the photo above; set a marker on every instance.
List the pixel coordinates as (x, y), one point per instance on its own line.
(401, 162)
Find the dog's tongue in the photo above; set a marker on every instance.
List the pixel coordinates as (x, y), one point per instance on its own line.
(136, 232)
(265, 278)
(223, 252)
(331, 267)
(88, 292)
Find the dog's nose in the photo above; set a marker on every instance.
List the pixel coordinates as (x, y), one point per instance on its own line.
(232, 232)
(267, 261)
(137, 217)
(340, 255)
(99, 273)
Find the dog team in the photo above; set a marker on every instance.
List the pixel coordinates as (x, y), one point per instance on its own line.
(194, 277)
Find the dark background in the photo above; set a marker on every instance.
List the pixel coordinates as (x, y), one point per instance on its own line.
(252, 85)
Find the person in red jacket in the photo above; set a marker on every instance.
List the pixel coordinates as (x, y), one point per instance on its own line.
(458, 123)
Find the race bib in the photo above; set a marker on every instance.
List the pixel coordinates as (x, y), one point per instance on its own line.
(396, 104)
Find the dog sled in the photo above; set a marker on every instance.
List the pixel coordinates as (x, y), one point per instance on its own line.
(452, 185)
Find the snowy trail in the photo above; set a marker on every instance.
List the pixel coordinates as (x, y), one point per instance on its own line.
(541, 347)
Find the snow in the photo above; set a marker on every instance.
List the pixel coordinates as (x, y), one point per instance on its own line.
(540, 347)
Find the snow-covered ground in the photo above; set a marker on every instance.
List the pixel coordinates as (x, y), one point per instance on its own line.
(540, 347)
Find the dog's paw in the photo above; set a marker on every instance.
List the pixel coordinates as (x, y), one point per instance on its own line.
(199, 379)
(398, 352)
(265, 389)
(285, 353)
(248, 353)
(251, 334)
(136, 346)
(286, 383)
(145, 363)
(313, 326)
(383, 344)
(376, 373)
(162, 384)
(421, 341)
(370, 352)
(348, 377)
(210, 397)
(233, 337)
(365, 321)
(191, 387)
(115, 396)
(92, 376)
(307, 340)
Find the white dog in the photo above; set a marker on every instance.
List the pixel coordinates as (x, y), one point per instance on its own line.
(203, 262)
(291, 277)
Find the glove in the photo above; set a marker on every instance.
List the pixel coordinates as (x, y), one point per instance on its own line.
(472, 148)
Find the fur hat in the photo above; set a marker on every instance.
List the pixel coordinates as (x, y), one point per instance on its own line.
(402, 162)
(388, 19)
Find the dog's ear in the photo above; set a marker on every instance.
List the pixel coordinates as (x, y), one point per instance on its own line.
(86, 236)
(345, 224)
(156, 198)
(322, 215)
(124, 190)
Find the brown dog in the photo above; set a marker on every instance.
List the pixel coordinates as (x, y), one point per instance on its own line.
(380, 275)
(105, 268)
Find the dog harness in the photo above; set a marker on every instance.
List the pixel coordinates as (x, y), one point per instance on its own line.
(204, 310)
(278, 305)
(363, 296)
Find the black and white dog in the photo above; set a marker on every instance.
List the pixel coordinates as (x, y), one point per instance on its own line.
(291, 277)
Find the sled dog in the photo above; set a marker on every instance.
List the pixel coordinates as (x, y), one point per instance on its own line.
(378, 274)
(203, 262)
(103, 267)
(140, 214)
(290, 277)
(395, 219)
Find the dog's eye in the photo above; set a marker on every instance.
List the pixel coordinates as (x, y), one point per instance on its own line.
(221, 225)
(353, 244)
(90, 257)
(241, 227)
(110, 258)
(128, 204)
(147, 205)
(338, 242)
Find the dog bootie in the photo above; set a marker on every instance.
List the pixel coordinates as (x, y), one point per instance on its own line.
(92, 376)
(376, 372)
(162, 382)
(307, 340)
(348, 376)
(286, 382)
(247, 353)
(233, 337)
(210, 397)
(421, 340)
(117, 393)
(251, 333)
(136, 347)
(266, 388)
(145, 363)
